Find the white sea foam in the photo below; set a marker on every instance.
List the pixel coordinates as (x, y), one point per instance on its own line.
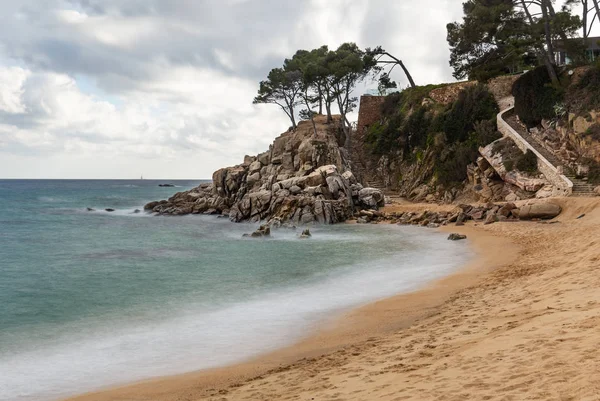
(201, 337)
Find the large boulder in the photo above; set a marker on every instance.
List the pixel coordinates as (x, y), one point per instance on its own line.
(371, 198)
(539, 211)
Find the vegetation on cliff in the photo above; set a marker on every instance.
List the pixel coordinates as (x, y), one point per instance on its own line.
(536, 97)
(413, 126)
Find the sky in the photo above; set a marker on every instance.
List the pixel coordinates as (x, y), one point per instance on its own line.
(120, 88)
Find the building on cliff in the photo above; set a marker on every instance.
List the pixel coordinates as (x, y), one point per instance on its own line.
(592, 50)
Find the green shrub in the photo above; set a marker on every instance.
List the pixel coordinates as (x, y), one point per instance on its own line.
(535, 97)
(584, 95)
(486, 132)
(527, 162)
(594, 173)
(453, 169)
(454, 132)
(508, 165)
(474, 104)
(391, 104)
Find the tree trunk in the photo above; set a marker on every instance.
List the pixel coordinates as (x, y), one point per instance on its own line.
(310, 112)
(548, 33)
(291, 115)
(401, 64)
(584, 19)
(597, 7)
(548, 60)
(320, 91)
(328, 110)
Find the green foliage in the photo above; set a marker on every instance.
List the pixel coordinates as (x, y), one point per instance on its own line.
(527, 162)
(385, 84)
(497, 37)
(319, 77)
(535, 96)
(488, 41)
(508, 165)
(454, 132)
(378, 140)
(594, 172)
(486, 132)
(453, 168)
(475, 103)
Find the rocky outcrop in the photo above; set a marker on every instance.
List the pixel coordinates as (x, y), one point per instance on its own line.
(302, 178)
(482, 213)
(494, 177)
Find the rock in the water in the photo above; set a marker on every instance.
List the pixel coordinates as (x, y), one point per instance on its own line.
(89, 209)
(456, 237)
(151, 205)
(109, 210)
(136, 211)
(166, 185)
(306, 234)
(263, 231)
(539, 211)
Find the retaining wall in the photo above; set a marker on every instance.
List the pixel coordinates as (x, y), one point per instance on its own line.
(562, 185)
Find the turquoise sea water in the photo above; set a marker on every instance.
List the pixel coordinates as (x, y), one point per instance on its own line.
(94, 299)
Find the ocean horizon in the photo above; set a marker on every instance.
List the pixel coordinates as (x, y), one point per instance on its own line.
(95, 298)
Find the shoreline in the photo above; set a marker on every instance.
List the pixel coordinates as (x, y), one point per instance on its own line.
(376, 319)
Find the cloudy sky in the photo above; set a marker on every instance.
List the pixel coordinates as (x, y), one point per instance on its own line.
(164, 88)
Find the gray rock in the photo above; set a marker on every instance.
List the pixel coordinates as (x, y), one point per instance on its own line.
(490, 218)
(371, 198)
(306, 234)
(262, 232)
(539, 211)
(456, 237)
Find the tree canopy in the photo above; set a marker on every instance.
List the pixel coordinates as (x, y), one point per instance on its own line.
(319, 79)
(500, 36)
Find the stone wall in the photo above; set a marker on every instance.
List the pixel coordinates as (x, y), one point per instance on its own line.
(449, 93)
(369, 113)
(562, 185)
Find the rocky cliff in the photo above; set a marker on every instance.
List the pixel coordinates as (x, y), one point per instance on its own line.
(303, 178)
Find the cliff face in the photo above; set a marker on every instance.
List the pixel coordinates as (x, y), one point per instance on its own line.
(421, 147)
(302, 178)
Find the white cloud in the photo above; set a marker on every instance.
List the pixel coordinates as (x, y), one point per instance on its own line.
(116, 88)
(11, 89)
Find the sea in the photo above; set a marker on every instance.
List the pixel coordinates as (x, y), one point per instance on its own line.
(93, 299)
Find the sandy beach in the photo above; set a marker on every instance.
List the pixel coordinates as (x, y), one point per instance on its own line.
(518, 323)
